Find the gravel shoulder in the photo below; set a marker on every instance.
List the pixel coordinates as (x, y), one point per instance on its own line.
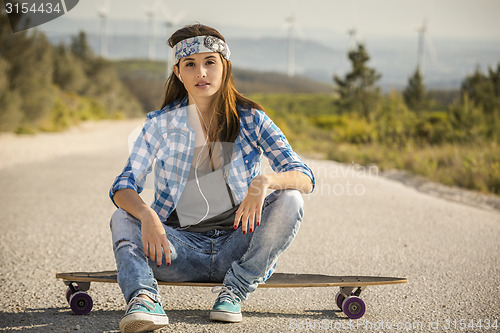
(55, 214)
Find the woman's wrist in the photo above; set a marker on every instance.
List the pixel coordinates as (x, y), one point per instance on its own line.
(146, 213)
(262, 181)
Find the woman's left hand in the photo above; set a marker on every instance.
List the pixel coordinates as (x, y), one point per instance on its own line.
(250, 208)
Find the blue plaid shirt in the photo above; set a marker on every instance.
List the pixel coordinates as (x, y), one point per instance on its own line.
(167, 143)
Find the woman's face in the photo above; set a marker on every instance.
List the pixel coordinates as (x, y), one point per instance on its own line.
(201, 74)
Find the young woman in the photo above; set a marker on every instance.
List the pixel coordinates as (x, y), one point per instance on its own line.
(211, 219)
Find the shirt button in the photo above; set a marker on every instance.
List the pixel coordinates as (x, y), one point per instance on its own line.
(246, 161)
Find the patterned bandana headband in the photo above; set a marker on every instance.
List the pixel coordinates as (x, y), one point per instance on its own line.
(200, 44)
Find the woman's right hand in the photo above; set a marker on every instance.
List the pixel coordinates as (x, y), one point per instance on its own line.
(154, 238)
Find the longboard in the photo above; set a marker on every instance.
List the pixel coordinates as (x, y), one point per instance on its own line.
(347, 298)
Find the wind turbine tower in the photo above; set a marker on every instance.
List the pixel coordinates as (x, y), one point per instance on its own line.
(103, 15)
(351, 44)
(290, 21)
(150, 13)
(169, 21)
(421, 39)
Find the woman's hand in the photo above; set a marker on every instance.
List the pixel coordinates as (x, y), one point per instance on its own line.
(154, 238)
(250, 208)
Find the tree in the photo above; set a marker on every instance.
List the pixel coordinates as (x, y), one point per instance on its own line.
(357, 91)
(484, 90)
(69, 73)
(80, 47)
(415, 95)
(10, 117)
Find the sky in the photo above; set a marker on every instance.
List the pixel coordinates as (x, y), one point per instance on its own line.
(467, 19)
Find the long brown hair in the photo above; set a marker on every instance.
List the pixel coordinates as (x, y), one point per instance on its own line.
(226, 99)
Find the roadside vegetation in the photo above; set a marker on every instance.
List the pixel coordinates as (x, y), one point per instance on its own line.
(454, 141)
(50, 88)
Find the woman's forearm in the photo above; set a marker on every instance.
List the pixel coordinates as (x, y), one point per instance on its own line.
(289, 180)
(130, 201)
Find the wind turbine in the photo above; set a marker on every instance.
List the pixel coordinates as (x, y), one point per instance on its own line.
(422, 42)
(353, 39)
(103, 15)
(294, 32)
(290, 22)
(150, 13)
(351, 44)
(170, 22)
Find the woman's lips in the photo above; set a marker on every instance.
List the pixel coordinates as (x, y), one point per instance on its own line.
(202, 85)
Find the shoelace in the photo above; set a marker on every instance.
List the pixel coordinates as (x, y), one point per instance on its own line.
(226, 294)
(136, 300)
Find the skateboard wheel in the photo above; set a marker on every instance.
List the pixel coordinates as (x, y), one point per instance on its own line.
(81, 303)
(339, 298)
(354, 307)
(69, 292)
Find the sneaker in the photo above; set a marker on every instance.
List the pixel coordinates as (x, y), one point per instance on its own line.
(227, 306)
(142, 316)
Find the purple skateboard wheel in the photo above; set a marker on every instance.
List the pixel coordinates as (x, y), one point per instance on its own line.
(354, 307)
(69, 292)
(339, 298)
(81, 303)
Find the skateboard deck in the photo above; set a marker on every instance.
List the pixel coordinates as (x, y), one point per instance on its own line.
(347, 298)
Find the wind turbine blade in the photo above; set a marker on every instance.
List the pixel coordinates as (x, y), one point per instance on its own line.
(105, 8)
(179, 17)
(167, 16)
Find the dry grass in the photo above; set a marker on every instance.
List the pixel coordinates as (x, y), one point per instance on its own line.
(475, 167)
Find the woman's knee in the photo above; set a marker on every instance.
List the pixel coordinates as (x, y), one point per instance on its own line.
(292, 200)
(123, 225)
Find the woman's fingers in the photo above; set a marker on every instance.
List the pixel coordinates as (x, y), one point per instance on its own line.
(248, 217)
(159, 255)
(166, 250)
(155, 250)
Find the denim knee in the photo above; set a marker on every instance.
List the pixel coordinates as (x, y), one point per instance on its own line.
(123, 226)
(292, 200)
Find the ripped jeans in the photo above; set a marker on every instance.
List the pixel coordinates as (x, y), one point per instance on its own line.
(230, 257)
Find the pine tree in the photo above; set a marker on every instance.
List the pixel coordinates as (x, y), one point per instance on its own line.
(80, 47)
(415, 95)
(484, 90)
(357, 91)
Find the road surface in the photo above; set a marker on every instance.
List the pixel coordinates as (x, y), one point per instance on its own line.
(55, 217)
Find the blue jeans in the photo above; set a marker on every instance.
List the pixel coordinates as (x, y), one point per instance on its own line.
(230, 257)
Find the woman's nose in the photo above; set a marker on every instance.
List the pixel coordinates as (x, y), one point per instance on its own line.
(202, 72)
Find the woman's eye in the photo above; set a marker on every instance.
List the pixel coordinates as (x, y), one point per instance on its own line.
(210, 62)
(189, 64)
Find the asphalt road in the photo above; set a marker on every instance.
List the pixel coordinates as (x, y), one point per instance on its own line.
(55, 214)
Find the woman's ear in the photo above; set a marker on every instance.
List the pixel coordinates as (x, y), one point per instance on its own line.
(177, 73)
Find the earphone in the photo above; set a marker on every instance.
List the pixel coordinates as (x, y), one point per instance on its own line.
(180, 77)
(199, 157)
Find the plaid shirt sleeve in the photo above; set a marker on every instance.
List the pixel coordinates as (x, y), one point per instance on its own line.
(140, 161)
(277, 149)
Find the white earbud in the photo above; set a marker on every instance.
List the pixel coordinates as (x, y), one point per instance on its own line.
(180, 78)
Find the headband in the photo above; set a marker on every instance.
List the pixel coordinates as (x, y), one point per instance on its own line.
(200, 44)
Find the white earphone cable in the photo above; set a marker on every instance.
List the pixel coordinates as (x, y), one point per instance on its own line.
(199, 157)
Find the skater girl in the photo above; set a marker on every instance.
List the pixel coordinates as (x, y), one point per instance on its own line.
(214, 217)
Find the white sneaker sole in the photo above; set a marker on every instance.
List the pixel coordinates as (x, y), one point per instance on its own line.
(226, 316)
(142, 322)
